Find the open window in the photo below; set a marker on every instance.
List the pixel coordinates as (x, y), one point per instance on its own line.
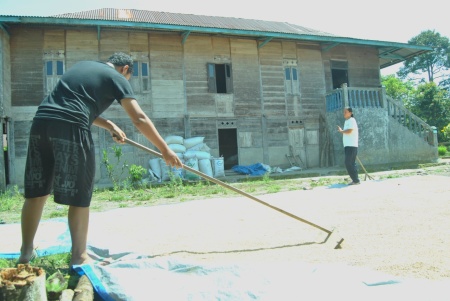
(339, 73)
(219, 78)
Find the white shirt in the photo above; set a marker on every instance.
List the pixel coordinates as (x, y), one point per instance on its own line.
(352, 138)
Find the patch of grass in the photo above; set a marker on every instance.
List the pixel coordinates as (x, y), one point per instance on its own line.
(51, 264)
(273, 189)
(321, 182)
(55, 214)
(11, 199)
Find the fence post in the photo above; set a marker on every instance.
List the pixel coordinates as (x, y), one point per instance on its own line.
(345, 95)
(383, 97)
(433, 135)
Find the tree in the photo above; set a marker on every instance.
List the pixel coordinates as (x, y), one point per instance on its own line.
(432, 104)
(399, 90)
(434, 64)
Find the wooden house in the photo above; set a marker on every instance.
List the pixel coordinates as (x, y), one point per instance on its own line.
(256, 90)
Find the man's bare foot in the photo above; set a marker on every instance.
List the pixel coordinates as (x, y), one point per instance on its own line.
(81, 260)
(27, 256)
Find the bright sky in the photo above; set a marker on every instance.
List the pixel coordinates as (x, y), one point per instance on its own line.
(384, 20)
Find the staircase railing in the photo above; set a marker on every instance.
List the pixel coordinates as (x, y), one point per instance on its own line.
(354, 97)
(406, 118)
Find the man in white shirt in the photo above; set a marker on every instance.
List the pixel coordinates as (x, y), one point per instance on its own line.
(350, 139)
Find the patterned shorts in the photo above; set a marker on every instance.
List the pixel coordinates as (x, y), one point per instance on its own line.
(61, 157)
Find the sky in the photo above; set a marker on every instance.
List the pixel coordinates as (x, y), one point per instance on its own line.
(383, 20)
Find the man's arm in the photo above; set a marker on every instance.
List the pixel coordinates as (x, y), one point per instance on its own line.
(347, 131)
(110, 126)
(148, 129)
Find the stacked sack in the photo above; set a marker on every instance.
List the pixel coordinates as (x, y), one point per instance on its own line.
(194, 153)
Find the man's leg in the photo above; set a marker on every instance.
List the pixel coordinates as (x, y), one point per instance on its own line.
(31, 216)
(78, 226)
(350, 162)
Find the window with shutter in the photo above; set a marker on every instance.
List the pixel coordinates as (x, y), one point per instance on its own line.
(291, 80)
(54, 69)
(140, 81)
(219, 78)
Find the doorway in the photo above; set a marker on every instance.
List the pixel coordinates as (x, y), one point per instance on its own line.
(228, 147)
(339, 73)
(5, 150)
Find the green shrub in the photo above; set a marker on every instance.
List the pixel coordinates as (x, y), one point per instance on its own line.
(442, 150)
(136, 174)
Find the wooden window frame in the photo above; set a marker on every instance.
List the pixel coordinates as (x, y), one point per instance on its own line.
(140, 80)
(291, 80)
(52, 76)
(212, 78)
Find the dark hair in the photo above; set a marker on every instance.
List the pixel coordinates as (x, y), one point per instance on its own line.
(349, 109)
(121, 59)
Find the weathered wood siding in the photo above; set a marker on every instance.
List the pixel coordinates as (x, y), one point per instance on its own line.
(198, 51)
(166, 65)
(5, 100)
(5, 75)
(246, 84)
(272, 79)
(26, 66)
(363, 65)
(178, 100)
(312, 81)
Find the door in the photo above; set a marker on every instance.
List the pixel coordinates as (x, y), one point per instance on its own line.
(228, 147)
(298, 145)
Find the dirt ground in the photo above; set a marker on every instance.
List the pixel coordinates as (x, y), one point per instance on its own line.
(398, 226)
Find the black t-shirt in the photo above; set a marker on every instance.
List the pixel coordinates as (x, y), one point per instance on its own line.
(86, 90)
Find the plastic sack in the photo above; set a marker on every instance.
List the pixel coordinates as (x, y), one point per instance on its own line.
(218, 167)
(155, 167)
(204, 165)
(167, 171)
(178, 148)
(192, 163)
(197, 154)
(200, 147)
(174, 140)
(190, 142)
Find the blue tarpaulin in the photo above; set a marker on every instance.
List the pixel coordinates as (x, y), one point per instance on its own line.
(257, 169)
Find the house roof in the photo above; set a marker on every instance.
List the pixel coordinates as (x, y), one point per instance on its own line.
(390, 53)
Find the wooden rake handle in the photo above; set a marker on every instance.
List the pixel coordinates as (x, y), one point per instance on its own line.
(218, 182)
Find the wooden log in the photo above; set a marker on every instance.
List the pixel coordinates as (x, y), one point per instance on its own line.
(24, 283)
(84, 290)
(67, 295)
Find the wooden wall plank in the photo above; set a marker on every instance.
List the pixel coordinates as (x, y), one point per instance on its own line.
(27, 66)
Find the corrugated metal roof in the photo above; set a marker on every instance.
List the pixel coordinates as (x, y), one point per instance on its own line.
(143, 16)
(390, 53)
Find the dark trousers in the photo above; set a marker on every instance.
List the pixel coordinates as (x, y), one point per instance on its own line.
(350, 164)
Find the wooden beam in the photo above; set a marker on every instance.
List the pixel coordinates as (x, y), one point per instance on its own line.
(330, 46)
(3, 28)
(185, 35)
(98, 33)
(267, 40)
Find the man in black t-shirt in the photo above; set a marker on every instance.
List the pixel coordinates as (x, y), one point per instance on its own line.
(61, 153)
